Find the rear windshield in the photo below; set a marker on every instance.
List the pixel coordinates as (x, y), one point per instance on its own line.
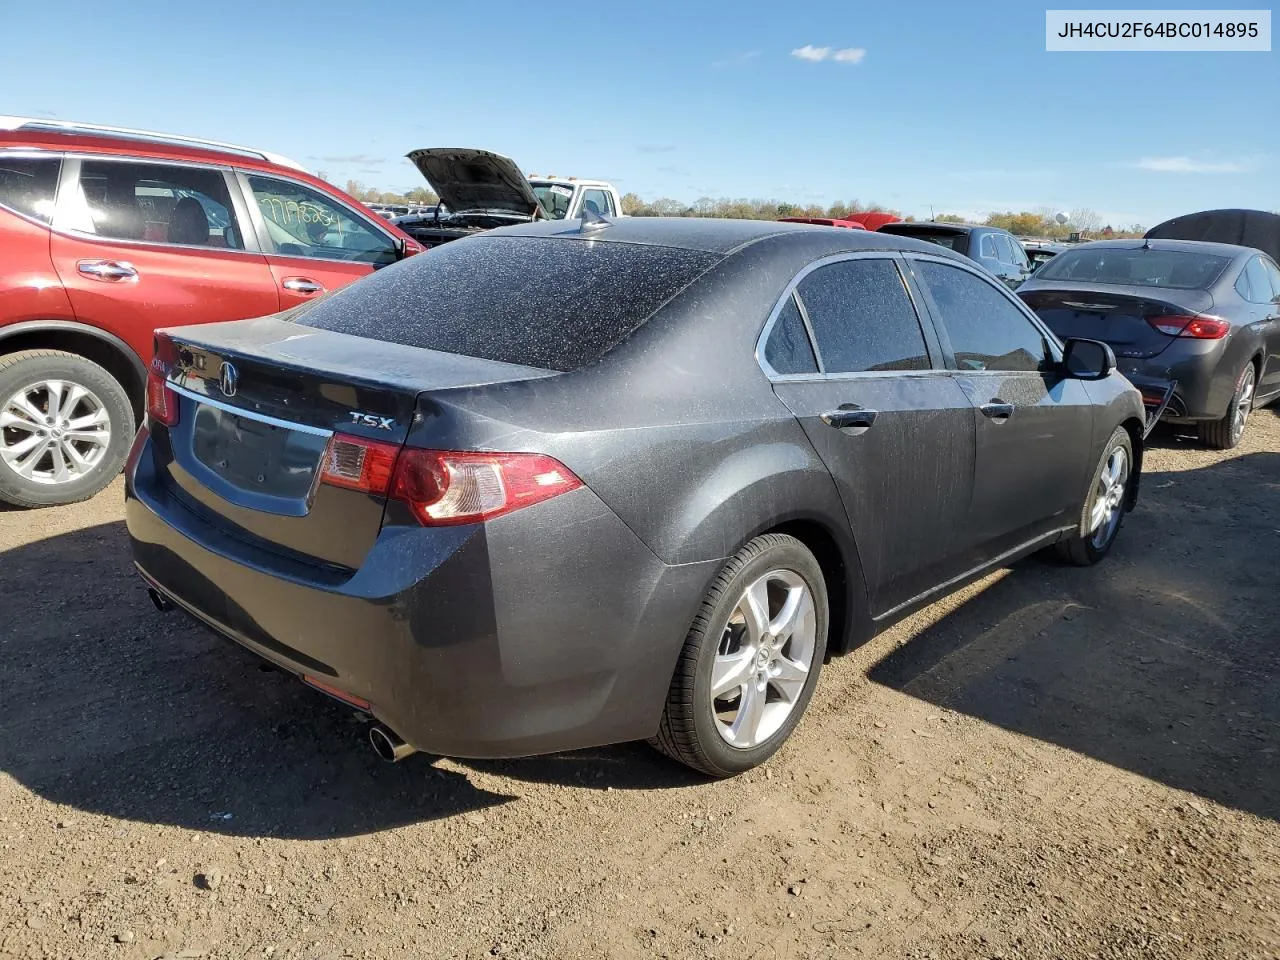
(1177, 269)
(559, 304)
(943, 238)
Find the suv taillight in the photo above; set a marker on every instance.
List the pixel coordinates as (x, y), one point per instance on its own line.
(445, 487)
(162, 401)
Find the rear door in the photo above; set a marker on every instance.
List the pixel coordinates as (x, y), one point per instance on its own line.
(892, 426)
(1034, 426)
(313, 242)
(140, 245)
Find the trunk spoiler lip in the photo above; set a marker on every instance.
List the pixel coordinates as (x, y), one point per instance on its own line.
(1154, 416)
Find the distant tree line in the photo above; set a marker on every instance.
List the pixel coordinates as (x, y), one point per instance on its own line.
(1041, 222)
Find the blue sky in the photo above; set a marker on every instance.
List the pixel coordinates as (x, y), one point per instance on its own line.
(950, 104)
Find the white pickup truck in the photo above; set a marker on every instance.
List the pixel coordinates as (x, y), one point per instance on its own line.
(482, 190)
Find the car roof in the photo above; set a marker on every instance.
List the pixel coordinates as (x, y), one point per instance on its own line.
(1188, 246)
(579, 181)
(721, 235)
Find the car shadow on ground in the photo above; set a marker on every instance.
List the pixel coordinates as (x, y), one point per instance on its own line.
(1164, 660)
(113, 708)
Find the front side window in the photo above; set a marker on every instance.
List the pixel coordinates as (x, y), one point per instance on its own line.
(1274, 273)
(303, 222)
(1255, 282)
(788, 349)
(597, 201)
(28, 185)
(987, 331)
(155, 203)
(862, 318)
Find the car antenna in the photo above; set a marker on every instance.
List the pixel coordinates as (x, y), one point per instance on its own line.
(592, 221)
(1146, 243)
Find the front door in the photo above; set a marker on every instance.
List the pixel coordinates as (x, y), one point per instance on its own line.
(1034, 426)
(145, 245)
(896, 432)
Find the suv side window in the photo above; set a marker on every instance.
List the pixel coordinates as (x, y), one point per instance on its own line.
(600, 200)
(1011, 251)
(987, 247)
(303, 222)
(28, 185)
(862, 318)
(788, 349)
(154, 203)
(987, 331)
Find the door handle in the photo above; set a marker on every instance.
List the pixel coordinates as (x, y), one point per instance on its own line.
(302, 285)
(997, 410)
(111, 271)
(850, 418)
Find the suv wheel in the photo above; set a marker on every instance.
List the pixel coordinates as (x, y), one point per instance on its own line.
(66, 426)
(751, 660)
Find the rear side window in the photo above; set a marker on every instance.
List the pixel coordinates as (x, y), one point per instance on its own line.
(862, 318)
(987, 331)
(558, 304)
(1135, 266)
(28, 185)
(788, 349)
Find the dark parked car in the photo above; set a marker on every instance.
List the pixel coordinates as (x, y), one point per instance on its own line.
(1041, 253)
(1205, 316)
(560, 485)
(997, 250)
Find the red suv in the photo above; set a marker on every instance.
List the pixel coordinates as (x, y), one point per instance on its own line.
(107, 234)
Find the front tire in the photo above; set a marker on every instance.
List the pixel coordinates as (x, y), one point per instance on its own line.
(1104, 506)
(1225, 434)
(65, 428)
(751, 660)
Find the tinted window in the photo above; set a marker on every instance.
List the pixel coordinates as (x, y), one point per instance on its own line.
(28, 186)
(1274, 273)
(987, 331)
(788, 349)
(557, 304)
(1010, 250)
(862, 318)
(155, 203)
(597, 201)
(988, 247)
(302, 222)
(943, 238)
(1178, 269)
(1255, 283)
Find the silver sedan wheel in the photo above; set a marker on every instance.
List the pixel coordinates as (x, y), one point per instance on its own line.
(764, 658)
(1108, 501)
(1243, 405)
(53, 431)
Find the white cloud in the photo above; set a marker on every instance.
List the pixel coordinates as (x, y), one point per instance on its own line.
(818, 54)
(1187, 165)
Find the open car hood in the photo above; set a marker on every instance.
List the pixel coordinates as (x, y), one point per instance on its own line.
(1247, 228)
(469, 180)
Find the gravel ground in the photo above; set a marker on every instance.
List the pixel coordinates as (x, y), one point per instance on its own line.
(1054, 763)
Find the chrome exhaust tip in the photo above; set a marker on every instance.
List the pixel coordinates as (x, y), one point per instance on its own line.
(388, 746)
(158, 600)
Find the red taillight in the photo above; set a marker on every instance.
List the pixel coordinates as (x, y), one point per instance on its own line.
(162, 401)
(1202, 327)
(444, 487)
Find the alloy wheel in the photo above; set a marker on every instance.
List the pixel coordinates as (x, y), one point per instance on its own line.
(53, 432)
(764, 658)
(1243, 404)
(1108, 501)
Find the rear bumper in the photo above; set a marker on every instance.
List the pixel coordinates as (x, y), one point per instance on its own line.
(1201, 392)
(550, 629)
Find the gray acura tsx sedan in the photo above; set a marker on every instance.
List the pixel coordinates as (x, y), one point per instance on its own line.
(569, 484)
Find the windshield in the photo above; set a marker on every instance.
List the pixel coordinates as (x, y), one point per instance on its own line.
(1175, 269)
(555, 197)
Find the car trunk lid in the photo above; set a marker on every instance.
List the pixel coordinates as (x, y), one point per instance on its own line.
(259, 403)
(1120, 317)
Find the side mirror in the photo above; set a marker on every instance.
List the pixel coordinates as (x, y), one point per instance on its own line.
(1087, 359)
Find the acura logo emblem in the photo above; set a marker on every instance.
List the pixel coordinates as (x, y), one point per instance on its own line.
(228, 379)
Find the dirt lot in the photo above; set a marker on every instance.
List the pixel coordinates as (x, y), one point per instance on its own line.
(1056, 763)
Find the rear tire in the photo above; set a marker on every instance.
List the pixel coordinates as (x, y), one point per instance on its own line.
(67, 453)
(1226, 433)
(758, 641)
(1104, 505)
